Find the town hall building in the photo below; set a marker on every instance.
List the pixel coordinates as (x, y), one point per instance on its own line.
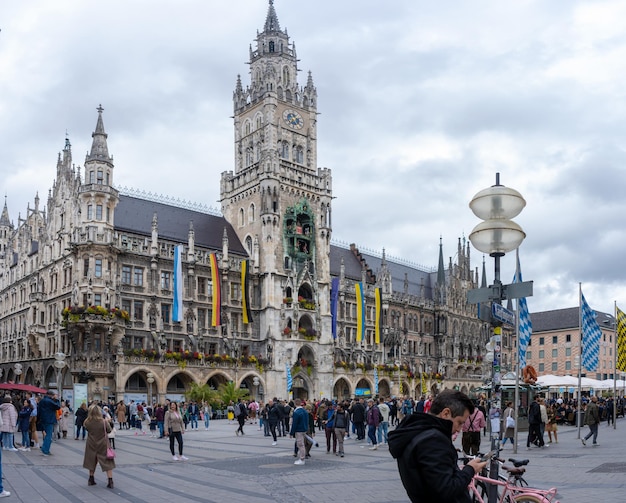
(87, 278)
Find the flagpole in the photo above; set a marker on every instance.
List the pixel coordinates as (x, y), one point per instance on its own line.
(615, 365)
(580, 357)
(517, 359)
(517, 370)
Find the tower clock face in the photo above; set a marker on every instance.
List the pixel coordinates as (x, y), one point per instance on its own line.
(293, 119)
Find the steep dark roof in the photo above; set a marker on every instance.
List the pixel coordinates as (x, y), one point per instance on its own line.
(414, 276)
(135, 215)
(560, 319)
(350, 262)
(353, 271)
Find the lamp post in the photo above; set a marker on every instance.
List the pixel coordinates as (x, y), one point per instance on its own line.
(150, 379)
(59, 365)
(255, 383)
(496, 236)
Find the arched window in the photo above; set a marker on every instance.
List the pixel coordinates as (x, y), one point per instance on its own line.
(251, 213)
(249, 245)
(284, 150)
(298, 155)
(272, 46)
(249, 156)
(285, 75)
(259, 122)
(247, 128)
(241, 218)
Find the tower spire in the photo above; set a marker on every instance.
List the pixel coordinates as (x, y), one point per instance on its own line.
(4, 219)
(271, 22)
(99, 147)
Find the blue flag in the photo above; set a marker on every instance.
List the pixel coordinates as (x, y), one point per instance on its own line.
(177, 312)
(289, 378)
(525, 325)
(591, 336)
(334, 300)
(375, 380)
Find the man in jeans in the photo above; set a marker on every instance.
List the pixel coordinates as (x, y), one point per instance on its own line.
(33, 420)
(592, 419)
(373, 420)
(299, 427)
(193, 412)
(383, 426)
(48, 407)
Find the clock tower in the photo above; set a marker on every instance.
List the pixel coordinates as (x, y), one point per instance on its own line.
(278, 200)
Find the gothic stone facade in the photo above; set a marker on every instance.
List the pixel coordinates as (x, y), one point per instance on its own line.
(91, 275)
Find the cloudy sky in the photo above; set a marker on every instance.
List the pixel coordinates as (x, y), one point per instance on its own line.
(421, 104)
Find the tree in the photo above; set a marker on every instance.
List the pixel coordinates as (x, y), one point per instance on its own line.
(201, 393)
(228, 392)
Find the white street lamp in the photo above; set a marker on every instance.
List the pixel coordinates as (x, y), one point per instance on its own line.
(496, 235)
(150, 379)
(59, 364)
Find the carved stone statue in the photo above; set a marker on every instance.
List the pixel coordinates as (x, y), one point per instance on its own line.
(75, 293)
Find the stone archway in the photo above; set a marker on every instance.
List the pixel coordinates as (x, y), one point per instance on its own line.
(177, 386)
(49, 377)
(29, 377)
(256, 391)
(136, 387)
(364, 388)
(405, 389)
(215, 380)
(384, 388)
(341, 389)
(301, 386)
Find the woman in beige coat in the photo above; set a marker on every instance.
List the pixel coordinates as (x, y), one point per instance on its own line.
(96, 446)
(120, 412)
(174, 428)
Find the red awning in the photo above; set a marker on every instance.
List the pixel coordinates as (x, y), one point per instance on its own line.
(21, 387)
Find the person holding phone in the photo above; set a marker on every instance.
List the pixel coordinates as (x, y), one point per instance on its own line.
(427, 459)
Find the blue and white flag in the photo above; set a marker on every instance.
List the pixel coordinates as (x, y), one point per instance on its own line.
(525, 325)
(375, 380)
(289, 378)
(591, 334)
(177, 311)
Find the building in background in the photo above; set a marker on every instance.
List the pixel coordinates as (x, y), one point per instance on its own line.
(91, 275)
(554, 347)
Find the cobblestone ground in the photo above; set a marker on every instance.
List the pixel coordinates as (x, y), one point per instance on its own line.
(223, 466)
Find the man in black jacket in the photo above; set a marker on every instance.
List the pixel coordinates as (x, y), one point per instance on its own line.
(357, 413)
(274, 416)
(427, 459)
(534, 424)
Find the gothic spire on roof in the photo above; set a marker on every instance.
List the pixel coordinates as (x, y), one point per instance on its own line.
(99, 148)
(271, 22)
(441, 272)
(4, 219)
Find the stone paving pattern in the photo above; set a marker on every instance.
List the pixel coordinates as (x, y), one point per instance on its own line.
(223, 467)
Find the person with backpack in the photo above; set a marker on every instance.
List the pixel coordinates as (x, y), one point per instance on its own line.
(373, 420)
(240, 415)
(341, 424)
(471, 432)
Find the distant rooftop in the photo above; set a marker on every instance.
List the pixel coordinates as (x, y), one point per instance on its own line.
(560, 319)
